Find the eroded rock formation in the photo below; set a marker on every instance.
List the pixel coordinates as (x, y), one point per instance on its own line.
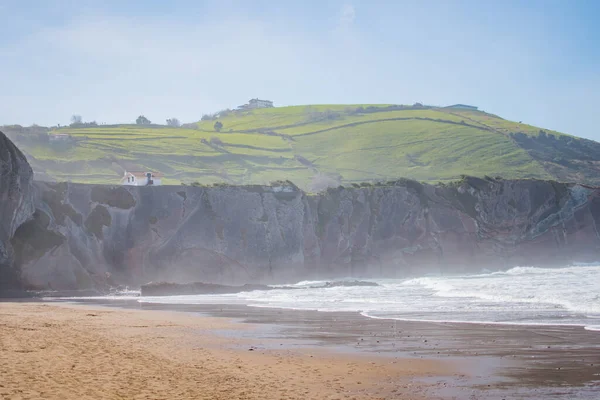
(85, 236)
(16, 206)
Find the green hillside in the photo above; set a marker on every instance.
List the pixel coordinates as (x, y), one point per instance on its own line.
(315, 145)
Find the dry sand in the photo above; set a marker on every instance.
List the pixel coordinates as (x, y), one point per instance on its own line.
(86, 352)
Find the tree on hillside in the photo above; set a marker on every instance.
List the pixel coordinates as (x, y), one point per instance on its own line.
(174, 122)
(76, 119)
(218, 126)
(141, 120)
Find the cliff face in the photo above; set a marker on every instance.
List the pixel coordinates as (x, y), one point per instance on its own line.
(86, 236)
(16, 205)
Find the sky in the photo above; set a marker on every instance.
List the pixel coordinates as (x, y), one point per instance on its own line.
(536, 61)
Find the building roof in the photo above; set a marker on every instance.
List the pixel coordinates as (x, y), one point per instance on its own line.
(461, 105)
(266, 101)
(141, 174)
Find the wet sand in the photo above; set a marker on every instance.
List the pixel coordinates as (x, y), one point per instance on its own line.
(62, 351)
(295, 354)
(496, 361)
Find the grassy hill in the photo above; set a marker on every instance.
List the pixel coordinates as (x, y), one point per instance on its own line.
(314, 145)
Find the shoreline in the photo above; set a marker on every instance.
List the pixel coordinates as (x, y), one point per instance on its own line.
(119, 300)
(486, 361)
(592, 328)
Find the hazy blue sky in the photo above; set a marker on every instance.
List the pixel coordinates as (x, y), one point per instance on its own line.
(531, 61)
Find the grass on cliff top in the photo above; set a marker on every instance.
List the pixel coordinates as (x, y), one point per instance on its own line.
(299, 143)
(498, 124)
(277, 117)
(426, 152)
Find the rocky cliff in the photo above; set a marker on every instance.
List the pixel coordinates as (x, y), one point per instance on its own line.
(16, 206)
(85, 236)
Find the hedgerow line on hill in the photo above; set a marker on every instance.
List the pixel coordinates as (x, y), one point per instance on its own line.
(490, 128)
(247, 146)
(352, 124)
(139, 138)
(400, 145)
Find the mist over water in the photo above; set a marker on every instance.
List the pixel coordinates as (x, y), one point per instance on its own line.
(522, 295)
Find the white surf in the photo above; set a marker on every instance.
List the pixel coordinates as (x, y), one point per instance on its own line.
(522, 295)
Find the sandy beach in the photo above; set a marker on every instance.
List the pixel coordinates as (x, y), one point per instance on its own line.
(62, 351)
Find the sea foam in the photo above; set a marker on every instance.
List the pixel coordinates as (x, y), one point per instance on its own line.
(521, 296)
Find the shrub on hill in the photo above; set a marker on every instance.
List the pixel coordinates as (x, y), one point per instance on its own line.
(174, 122)
(141, 120)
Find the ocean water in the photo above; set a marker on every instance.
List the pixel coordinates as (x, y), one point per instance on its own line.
(522, 295)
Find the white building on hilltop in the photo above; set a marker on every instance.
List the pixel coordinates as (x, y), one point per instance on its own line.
(135, 178)
(256, 103)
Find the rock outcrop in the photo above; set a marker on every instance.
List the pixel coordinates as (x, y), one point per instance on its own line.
(194, 288)
(85, 236)
(178, 289)
(16, 206)
(329, 285)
